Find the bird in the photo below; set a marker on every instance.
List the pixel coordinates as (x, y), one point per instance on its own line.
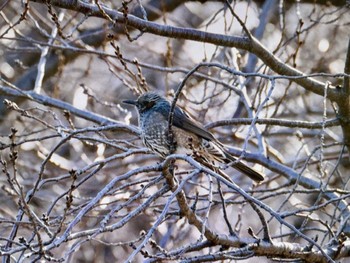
(188, 136)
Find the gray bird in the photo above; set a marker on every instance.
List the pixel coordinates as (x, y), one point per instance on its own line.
(189, 137)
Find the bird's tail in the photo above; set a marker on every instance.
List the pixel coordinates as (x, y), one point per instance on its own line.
(242, 167)
(224, 175)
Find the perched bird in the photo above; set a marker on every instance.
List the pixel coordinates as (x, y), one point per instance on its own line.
(189, 137)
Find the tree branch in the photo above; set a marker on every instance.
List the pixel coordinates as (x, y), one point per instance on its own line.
(48, 101)
(248, 44)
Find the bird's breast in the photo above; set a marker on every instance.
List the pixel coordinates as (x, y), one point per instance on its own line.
(154, 135)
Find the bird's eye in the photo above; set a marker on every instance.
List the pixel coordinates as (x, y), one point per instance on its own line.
(147, 105)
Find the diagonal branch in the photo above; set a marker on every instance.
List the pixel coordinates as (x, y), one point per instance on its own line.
(245, 43)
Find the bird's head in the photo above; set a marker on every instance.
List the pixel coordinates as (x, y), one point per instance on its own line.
(147, 101)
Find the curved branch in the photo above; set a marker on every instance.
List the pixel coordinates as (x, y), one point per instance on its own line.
(47, 101)
(245, 43)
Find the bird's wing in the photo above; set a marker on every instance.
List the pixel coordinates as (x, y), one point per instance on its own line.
(184, 121)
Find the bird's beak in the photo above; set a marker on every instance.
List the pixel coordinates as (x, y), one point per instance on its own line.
(131, 102)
